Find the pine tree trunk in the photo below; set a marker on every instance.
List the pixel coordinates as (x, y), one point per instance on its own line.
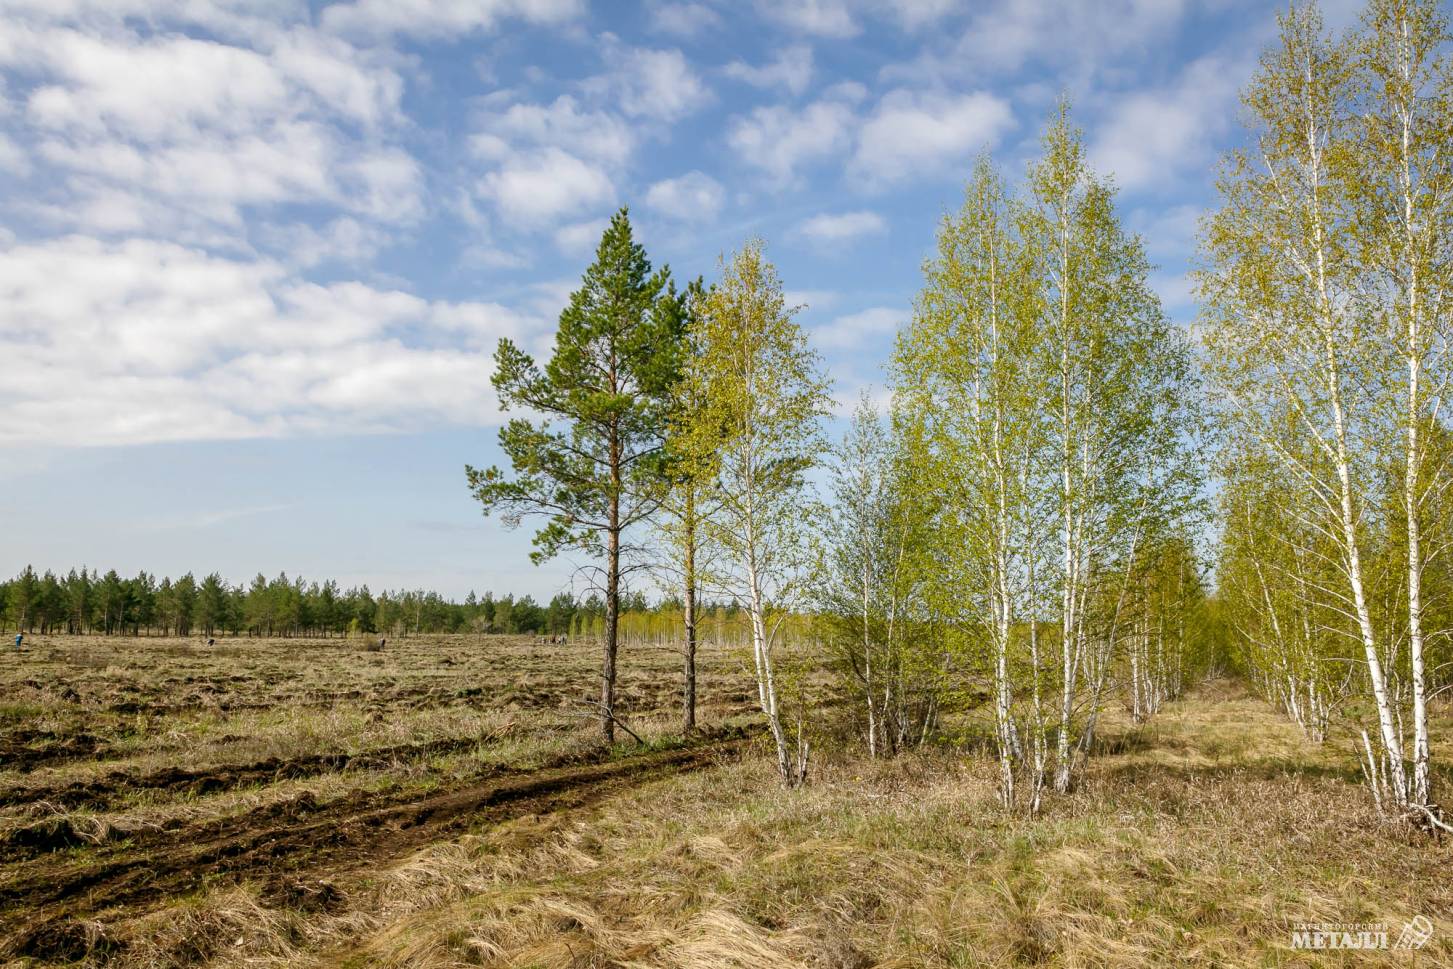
(612, 625)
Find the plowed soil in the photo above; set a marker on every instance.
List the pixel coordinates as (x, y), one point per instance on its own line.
(138, 774)
(110, 788)
(296, 844)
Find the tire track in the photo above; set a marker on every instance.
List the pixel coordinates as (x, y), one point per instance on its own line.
(42, 908)
(104, 792)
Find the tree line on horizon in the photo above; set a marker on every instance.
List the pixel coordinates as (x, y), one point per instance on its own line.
(88, 602)
(1028, 512)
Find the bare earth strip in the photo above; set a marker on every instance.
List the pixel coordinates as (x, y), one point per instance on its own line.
(300, 841)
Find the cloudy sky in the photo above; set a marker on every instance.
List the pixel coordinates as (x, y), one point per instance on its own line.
(255, 254)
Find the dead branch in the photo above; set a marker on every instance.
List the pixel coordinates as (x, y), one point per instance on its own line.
(1431, 814)
(596, 708)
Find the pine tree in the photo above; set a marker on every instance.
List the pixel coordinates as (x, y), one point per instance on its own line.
(212, 604)
(24, 592)
(592, 466)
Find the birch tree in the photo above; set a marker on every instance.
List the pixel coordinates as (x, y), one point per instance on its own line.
(1055, 409)
(1124, 425)
(870, 590)
(1165, 644)
(765, 396)
(860, 552)
(1326, 308)
(1272, 574)
(969, 385)
(1406, 144)
(691, 498)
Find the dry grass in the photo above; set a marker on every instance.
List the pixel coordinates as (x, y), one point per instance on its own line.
(1199, 839)
(135, 707)
(1204, 842)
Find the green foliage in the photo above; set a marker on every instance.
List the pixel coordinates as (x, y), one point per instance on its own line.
(592, 463)
(758, 428)
(1048, 410)
(88, 602)
(1330, 269)
(871, 593)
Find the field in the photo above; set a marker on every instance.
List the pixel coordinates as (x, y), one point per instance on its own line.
(444, 802)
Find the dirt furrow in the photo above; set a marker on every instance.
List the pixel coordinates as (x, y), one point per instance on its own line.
(109, 789)
(16, 752)
(37, 907)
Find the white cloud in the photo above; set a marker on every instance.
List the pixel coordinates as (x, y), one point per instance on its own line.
(543, 186)
(1169, 232)
(850, 390)
(842, 227)
(99, 209)
(231, 18)
(347, 80)
(441, 18)
(1149, 138)
(13, 158)
(153, 89)
(562, 124)
(163, 86)
(811, 299)
(646, 83)
(386, 184)
(907, 133)
(231, 128)
(791, 69)
(693, 197)
(121, 343)
(1176, 292)
(856, 329)
(684, 19)
(344, 241)
(580, 238)
(915, 14)
(1009, 34)
(843, 18)
(172, 134)
(913, 133)
(211, 181)
(550, 162)
(488, 256)
(780, 140)
(1078, 39)
(823, 18)
(550, 296)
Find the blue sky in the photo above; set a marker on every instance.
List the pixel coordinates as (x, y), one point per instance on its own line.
(255, 256)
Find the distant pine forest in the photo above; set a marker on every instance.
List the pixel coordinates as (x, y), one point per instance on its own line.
(87, 602)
